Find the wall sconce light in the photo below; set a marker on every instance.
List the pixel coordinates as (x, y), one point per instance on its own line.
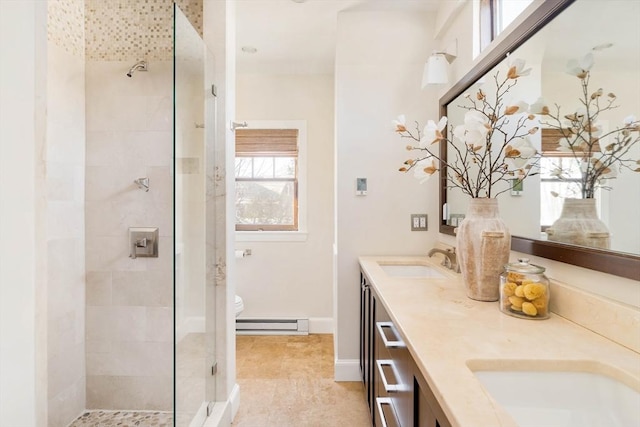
(436, 70)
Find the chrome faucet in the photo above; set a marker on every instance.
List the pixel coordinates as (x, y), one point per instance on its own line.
(450, 260)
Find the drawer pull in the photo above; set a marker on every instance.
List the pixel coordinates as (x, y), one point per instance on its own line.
(380, 401)
(397, 343)
(389, 388)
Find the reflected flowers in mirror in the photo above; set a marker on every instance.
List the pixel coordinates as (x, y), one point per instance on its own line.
(601, 154)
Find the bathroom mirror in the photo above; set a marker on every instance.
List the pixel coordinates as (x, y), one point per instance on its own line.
(556, 32)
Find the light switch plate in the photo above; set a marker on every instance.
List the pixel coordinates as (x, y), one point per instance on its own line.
(419, 222)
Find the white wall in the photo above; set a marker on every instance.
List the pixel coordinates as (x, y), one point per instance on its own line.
(459, 30)
(379, 62)
(23, 380)
(43, 106)
(293, 279)
(65, 272)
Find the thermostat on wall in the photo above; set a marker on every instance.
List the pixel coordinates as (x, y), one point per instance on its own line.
(517, 187)
(361, 186)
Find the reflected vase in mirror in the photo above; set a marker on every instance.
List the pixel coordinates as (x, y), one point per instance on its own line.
(483, 243)
(579, 225)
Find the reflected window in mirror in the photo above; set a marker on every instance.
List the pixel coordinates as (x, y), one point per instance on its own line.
(555, 188)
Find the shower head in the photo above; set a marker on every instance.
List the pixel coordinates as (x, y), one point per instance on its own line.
(139, 66)
(142, 183)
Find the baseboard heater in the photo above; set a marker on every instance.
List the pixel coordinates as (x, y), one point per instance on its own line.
(272, 326)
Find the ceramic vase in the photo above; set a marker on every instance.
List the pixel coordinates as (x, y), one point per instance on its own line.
(483, 243)
(579, 225)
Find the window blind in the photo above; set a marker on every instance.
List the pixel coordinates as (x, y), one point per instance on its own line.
(550, 138)
(266, 142)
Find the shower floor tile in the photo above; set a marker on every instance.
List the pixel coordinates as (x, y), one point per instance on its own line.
(123, 419)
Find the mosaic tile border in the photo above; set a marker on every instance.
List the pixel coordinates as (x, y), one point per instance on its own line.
(124, 419)
(65, 25)
(125, 30)
(118, 30)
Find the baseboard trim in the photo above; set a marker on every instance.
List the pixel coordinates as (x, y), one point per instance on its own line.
(234, 399)
(320, 325)
(347, 370)
(266, 326)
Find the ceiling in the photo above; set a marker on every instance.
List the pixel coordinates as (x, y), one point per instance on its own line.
(299, 38)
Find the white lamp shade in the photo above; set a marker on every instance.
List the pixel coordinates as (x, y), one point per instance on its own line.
(436, 70)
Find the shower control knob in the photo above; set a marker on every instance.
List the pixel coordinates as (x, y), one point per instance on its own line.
(143, 242)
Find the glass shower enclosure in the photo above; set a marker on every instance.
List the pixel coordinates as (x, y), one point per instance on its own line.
(194, 295)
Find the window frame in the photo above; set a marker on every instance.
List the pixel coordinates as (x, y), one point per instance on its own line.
(549, 143)
(269, 232)
(294, 180)
(490, 21)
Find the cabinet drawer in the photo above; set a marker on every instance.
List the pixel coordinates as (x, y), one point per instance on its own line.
(394, 378)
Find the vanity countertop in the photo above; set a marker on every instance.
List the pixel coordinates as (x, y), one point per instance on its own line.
(446, 333)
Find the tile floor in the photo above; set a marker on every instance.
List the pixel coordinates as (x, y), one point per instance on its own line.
(287, 381)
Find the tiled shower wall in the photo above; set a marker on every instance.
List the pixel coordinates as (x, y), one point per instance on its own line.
(129, 136)
(125, 337)
(129, 301)
(64, 205)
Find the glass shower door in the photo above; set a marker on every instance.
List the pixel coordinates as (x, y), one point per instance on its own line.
(194, 298)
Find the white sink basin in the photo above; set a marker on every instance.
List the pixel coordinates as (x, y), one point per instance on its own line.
(412, 271)
(563, 399)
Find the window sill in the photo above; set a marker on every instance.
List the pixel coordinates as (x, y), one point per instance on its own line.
(271, 236)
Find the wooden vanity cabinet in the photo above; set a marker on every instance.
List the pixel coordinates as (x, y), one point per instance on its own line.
(427, 412)
(367, 358)
(395, 390)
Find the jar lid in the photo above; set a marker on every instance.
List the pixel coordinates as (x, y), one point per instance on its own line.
(523, 266)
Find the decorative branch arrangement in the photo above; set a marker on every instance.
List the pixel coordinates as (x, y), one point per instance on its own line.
(583, 135)
(491, 146)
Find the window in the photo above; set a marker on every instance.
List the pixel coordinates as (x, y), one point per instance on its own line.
(554, 189)
(267, 179)
(496, 15)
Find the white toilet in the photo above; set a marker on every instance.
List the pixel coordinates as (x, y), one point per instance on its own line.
(239, 305)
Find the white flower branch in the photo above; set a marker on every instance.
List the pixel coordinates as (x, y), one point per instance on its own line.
(487, 149)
